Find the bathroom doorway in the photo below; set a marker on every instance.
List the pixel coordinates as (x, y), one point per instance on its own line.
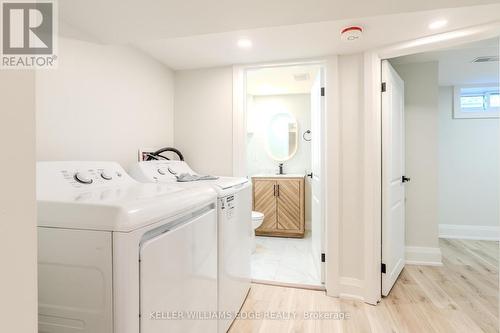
(284, 110)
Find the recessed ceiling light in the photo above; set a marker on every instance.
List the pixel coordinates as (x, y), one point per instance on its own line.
(244, 43)
(438, 24)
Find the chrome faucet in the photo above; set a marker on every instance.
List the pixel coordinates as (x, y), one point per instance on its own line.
(280, 168)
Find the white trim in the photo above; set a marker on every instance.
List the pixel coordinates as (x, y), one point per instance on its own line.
(239, 122)
(332, 176)
(477, 232)
(290, 285)
(372, 218)
(351, 288)
(372, 200)
(426, 256)
(331, 154)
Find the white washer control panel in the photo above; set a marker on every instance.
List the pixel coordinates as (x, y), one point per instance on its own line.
(108, 174)
(90, 176)
(63, 176)
(83, 177)
(159, 171)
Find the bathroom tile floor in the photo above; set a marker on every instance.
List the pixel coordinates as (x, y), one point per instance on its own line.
(285, 260)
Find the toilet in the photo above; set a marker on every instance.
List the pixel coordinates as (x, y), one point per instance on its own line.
(257, 219)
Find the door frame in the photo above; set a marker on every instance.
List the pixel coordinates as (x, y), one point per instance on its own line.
(330, 153)
(372, 168)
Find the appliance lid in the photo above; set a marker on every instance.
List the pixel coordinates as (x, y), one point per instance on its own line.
(118, 204)
(228, 182)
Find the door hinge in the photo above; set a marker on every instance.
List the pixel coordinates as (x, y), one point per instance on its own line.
(384, 87)
(322, 91)
(383, 268)
(323, 257)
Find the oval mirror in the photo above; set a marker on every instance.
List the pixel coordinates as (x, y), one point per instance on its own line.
(282, 136)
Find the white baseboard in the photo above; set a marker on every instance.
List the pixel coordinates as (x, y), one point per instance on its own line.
(469, 232)
(427, 256)
(351, 288)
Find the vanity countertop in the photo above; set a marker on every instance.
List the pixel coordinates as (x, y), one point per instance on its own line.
(286, 175)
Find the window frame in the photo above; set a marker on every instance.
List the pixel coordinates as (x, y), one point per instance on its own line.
(475, 113)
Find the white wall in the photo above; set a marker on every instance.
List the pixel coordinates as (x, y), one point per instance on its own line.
(468, 167)
(258, 159)
(204, 119)
(351, 176)
(18, 240)
(421, 112)
(103, 103)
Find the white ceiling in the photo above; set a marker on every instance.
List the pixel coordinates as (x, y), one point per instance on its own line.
(121, 21)
(308, 40)
(278, 28)
(455, 65)
(281, 80)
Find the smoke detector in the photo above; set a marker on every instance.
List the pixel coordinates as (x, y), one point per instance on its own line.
(351, 34)
(486, 59)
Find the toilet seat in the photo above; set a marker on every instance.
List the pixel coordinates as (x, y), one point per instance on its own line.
(257, 219)
(257, 216)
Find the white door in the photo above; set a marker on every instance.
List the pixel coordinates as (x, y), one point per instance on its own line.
(393, 190)
(317, 144)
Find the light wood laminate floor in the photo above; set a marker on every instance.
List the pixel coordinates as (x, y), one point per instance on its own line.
(461, 296)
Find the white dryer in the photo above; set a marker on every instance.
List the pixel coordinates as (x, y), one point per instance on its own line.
(118, 256)
(234, 229)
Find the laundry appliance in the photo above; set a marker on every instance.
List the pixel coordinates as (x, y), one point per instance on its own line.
(234, 228)
(119, 256)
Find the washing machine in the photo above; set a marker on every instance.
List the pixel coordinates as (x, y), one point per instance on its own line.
(119, 256)
(234, 229)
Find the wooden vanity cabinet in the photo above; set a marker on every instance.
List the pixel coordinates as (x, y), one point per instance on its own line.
(281, 200)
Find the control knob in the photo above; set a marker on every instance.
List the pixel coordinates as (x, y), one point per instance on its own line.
(83, 178)
(106, 175)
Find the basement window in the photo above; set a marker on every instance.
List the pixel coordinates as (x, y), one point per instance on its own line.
(476, 101)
